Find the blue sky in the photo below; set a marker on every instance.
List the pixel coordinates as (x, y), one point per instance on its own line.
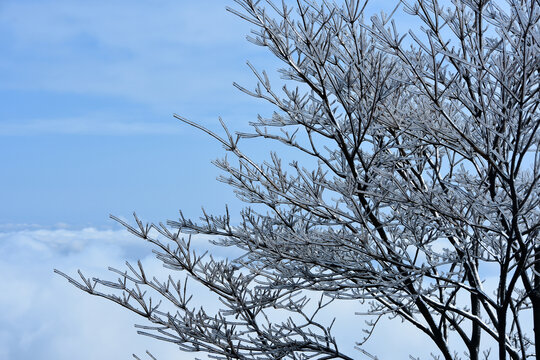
(87, 93)
(88, 90)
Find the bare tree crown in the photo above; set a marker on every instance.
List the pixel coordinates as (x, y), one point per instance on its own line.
(427, 184)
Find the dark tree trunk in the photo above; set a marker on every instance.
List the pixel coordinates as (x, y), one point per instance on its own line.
(535, 299)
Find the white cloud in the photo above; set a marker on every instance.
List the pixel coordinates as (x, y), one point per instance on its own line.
(47, 316)
(20, 226)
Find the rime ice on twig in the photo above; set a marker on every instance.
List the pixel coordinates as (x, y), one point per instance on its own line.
(426, 184)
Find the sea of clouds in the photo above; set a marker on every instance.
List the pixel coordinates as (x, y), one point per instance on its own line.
(44, 317)
(42, 314)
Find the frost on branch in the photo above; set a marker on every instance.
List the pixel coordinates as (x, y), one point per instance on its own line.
(425, 185)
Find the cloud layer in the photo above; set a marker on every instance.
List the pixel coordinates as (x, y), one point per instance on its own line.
(45, 315)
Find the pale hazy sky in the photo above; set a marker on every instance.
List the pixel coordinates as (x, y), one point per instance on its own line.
(87, 92)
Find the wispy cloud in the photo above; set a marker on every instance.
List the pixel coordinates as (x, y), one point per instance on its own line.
(138, 27)
(88, 126)
(155, 55)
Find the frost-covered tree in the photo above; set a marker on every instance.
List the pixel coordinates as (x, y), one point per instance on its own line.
(415, 189)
